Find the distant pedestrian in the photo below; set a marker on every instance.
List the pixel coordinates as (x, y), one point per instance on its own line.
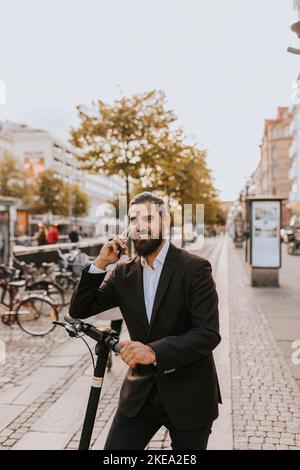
(2, 246)
(73, 235)
(53, 235)
(81, 232)
(42, 235)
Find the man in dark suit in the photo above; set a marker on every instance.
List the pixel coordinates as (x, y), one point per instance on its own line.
(168, 299)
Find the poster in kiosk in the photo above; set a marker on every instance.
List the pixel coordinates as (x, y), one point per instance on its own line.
(265, 244)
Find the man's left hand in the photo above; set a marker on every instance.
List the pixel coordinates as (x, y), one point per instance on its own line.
(134, 352)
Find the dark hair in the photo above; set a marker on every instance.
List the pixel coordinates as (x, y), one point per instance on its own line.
(146, 196)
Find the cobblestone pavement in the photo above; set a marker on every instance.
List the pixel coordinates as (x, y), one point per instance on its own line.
(282, 308)
(265, 395)
(45, 382)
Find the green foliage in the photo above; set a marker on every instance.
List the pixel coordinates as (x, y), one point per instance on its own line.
(80, 201)
(46, 193)
(11, 177)
(57, 196)
(134, 138)
(119, 139)
(52, 194)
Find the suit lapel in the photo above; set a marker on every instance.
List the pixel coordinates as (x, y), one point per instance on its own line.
(137, 279)
(164, 280)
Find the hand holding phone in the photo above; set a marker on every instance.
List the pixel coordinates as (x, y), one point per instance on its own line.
(124, 237)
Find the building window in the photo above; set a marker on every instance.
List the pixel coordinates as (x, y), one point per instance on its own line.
(287, 130)
(34, 163)
(274, 155)
(274, 133)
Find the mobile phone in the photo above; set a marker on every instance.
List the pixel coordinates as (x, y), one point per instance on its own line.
(124, 235)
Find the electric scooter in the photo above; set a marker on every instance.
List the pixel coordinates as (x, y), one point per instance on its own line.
(106, 339)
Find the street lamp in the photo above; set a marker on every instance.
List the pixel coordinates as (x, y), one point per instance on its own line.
(296, 28)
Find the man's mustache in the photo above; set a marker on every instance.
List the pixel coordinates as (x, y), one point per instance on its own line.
(144, 235)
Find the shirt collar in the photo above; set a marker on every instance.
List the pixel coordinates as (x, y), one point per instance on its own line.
(160, 258)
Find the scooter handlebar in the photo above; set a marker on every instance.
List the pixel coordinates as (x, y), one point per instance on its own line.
(91, 331)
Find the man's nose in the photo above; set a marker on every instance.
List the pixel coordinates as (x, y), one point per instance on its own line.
(143, 227)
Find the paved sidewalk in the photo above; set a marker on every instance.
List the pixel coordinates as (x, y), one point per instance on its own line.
(282, 308)
(265, 395)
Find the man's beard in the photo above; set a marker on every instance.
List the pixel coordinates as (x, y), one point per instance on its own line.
(146, 247)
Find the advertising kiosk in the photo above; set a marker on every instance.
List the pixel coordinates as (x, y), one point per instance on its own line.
(264, 214)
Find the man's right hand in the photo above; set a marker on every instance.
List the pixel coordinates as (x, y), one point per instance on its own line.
(109, 253)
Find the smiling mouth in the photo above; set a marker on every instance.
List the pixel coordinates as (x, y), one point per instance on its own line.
(143, 236)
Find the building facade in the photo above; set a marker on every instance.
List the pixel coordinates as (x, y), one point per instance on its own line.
(272, 175)
(294, 152)
(38, 150)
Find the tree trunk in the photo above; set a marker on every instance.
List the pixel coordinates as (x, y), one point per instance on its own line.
(169, 210)
(129, 244)
(127, 192)
(182, 224)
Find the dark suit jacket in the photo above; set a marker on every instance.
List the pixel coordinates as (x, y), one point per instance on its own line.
(183, 332)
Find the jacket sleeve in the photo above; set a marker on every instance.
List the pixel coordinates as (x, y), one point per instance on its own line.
(203, 335)
(93, 294)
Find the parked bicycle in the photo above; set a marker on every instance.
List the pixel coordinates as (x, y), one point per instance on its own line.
(61, 278)
(70, 267)
(39, 280)
(33, 311)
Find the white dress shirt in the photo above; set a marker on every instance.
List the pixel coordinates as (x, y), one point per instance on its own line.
(150, 276)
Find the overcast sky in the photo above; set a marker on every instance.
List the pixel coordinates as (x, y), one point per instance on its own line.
(222, 63)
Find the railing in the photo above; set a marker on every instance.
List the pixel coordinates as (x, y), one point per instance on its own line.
(87, 242)
(49, 253)
(26, 240)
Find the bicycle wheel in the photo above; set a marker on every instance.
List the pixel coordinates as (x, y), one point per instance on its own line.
(35, 315)
(54, 291)
(67, 284)
(5, 302)
(5, 294)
